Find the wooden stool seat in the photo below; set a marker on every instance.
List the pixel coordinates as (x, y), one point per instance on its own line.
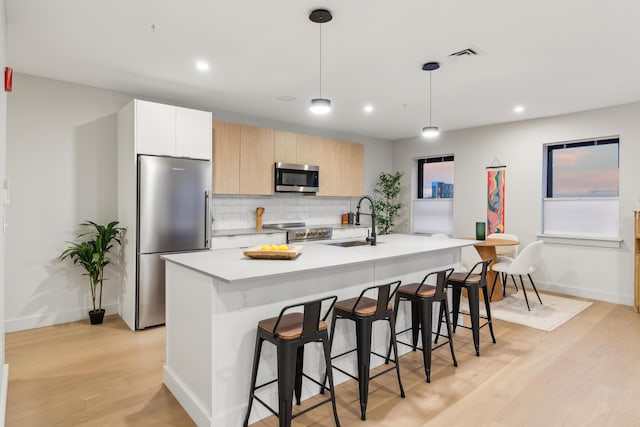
(366, 306)
(290, 326)
(471, 279)
(424, 291)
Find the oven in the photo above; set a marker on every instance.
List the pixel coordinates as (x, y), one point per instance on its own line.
(300, 232)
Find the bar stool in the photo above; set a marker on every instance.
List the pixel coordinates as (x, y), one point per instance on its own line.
(472, 282)
(289, 332)
(422, 296)
(364, 311)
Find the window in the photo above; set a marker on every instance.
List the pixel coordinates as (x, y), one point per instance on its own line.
(581, 188)
(433, 206)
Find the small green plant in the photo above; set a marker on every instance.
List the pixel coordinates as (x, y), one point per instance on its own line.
(91, 252)
(387, 204)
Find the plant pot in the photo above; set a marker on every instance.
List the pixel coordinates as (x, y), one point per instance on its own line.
(96, 316)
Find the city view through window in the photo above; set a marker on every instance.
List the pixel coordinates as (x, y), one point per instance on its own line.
(438, 180)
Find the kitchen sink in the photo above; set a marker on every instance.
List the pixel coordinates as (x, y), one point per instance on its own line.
(349, 243)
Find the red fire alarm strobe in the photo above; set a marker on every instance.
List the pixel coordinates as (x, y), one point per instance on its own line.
(8, 79)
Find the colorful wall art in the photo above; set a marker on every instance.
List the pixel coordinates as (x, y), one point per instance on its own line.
(495, 200)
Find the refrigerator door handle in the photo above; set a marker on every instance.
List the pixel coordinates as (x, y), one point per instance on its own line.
(207, 220)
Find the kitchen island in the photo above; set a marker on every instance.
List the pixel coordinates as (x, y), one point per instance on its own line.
(215, 299)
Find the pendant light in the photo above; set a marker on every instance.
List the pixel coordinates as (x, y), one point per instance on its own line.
(320, 105)
(430, 131)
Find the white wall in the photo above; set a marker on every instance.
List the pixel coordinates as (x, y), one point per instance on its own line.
(62, 167)
(594, 272)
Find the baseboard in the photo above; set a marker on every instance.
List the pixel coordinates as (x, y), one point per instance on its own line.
(182, 394)
(4, 384)
(38, 321)
(598, 295)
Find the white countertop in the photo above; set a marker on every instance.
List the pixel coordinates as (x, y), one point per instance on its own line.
(230, 265)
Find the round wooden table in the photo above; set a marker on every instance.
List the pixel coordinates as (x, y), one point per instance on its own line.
(487, 249)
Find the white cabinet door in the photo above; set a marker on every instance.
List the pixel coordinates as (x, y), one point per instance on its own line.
(225, 242)
(193, 133)
(155, 128)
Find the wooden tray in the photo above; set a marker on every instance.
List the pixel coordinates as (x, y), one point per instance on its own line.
(257, 253)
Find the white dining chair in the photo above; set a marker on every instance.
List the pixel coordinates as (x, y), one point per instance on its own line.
(524, 264)
(505, 253)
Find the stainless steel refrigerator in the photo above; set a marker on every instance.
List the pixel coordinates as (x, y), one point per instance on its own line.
(173, 216)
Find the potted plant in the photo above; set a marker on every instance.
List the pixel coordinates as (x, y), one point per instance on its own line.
(91, 252)
(387, 206)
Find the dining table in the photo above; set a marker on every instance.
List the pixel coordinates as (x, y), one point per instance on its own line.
(487, 249)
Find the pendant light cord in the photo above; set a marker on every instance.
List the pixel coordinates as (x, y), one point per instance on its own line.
(320, 63)
(429, 98)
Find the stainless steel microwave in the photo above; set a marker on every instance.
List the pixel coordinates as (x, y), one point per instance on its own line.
(296, 178)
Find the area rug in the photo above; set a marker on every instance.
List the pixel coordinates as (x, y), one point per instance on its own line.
(554, 311)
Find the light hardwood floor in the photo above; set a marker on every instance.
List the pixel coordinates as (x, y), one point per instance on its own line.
(585, 373)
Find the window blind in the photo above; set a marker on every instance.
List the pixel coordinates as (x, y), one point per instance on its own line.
(593, 217)
(433, 216)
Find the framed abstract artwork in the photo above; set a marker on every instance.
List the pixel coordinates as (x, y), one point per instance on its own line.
(495, 198)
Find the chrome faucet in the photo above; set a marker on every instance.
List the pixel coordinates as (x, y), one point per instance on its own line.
(372, 238)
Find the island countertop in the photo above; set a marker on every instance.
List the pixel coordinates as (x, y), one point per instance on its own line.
(230, 265)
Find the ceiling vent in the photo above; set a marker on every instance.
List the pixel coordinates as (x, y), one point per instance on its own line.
(463, 52)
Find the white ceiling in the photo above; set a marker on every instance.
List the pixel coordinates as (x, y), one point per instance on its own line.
(552, 56)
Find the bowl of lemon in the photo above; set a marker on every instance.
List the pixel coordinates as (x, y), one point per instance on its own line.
(275, 251)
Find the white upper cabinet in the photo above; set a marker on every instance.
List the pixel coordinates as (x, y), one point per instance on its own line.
(167, 130)
(193, 133)
(155, 128)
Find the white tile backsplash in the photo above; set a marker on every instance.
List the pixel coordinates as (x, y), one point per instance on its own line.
(232, 212)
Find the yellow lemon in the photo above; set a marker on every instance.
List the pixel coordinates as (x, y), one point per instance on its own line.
(274, 247)
(283, 248)
(265, 247)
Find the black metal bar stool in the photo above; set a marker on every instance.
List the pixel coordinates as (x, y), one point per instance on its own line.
(422, 296)
(364, 311)
(472, 282)
(289, 332)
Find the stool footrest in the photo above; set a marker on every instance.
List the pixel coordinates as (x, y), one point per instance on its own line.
(432, 346)
(392, 368)
(265, 405)
(274, 412)
(265, 384)
(297, 414)
(344, 372)
(343, 354)
(371, 377)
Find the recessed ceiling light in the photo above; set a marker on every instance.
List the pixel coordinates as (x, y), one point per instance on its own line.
(518, 109)
(368, 108)
(202, 66)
